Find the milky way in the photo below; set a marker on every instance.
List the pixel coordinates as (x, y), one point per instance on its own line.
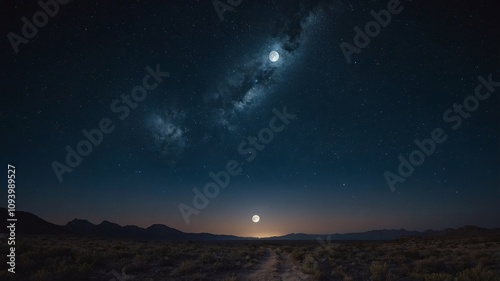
(323, 173)
(246, 84)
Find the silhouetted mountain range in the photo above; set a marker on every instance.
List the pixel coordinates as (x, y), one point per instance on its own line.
(154, 232)
(28, 223)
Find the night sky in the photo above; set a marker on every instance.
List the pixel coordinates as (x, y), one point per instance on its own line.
(310, 139)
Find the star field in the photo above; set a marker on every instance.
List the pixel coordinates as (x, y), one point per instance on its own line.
(322, 173)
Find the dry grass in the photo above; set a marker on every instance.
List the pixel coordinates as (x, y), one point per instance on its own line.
(72, 258)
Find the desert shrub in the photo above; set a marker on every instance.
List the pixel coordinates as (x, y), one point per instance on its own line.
(82, 270)
(58, 252)
(161, 250)
(463, 262)
(40, 275)
(392, 277)
(298, 255)
(198, 276)
(7, 276)
(187, 266)
(322, 253)
(400, 259)
(231, 277)
(243, 253)
(250, 263)
(90, 257)
(477, 273)
(486, 261)
(317, 275)
(438, 277)
(72, 272)
(430, 265)
(28, 263)
(412, 254)
(339, 270)
(261, 251)
(218, 265)
(247, 258)
(122, 254)
(140, 263)
(309, 265)
(167, 261)
(378, 271)
(312, 267)
(136, 266)
(363, 255)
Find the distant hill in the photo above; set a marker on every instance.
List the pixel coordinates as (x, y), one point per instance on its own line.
(468, 231)
(28, 223)
(368, 235)
(393, 234)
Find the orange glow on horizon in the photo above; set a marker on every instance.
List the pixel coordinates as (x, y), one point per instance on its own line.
(264, 234)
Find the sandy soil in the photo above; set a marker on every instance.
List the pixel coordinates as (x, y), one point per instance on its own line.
(275, 267)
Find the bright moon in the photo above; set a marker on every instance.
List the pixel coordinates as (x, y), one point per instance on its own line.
(255, 218)
(274, 56)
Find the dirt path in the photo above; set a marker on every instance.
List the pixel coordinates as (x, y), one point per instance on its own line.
(276, 267)
(291, 271)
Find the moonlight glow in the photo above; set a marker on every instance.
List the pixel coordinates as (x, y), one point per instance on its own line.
(255, 218)
(274, 56)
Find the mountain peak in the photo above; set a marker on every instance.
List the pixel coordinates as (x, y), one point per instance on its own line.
(31, 224)
(108, 223)
(78, 221)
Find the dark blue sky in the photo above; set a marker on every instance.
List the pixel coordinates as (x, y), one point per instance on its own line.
(320, 172)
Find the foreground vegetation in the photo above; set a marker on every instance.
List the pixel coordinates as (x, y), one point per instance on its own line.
(75, 258)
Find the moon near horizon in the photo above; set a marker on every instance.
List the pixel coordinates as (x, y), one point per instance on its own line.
(255, 218)
(274, 56)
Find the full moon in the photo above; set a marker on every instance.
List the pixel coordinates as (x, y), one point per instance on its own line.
(274, 56)
(255, 218)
